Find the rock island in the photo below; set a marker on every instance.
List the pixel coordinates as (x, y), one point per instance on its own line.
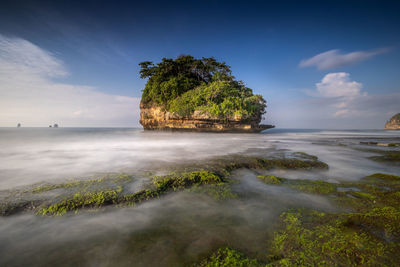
(188, 94)
(393, 123)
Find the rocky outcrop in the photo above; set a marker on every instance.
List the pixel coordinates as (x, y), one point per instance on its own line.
(156, 118)
(393, 123)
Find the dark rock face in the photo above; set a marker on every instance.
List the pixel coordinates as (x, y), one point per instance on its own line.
(393, 123)
(156, 118)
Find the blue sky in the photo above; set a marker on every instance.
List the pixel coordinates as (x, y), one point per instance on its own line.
(97, 45)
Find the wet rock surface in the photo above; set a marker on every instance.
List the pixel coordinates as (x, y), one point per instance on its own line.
(155, 118)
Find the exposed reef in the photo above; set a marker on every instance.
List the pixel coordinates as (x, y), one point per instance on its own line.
(393, 123)
(391, 156)
(367, 233)
(111, 190)
(362, 229)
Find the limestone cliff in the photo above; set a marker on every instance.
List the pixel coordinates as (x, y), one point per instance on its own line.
(393, 123)
(156, 118)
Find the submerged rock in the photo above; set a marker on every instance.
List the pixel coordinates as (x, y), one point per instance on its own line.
(393, 123)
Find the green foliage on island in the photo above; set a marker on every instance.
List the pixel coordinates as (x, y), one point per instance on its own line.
(186, 84)
(395, 117)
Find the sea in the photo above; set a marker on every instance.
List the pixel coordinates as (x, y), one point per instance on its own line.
(176, 229)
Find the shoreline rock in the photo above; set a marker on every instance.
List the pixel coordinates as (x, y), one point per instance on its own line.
(156, 118)
(393, 123)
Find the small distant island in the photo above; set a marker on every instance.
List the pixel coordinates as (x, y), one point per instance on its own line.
(189, 94)
(393, 123)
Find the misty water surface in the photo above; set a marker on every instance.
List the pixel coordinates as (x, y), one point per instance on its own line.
(180, 227)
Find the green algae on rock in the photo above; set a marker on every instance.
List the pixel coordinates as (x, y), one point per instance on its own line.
(271, 179)
(308, 186)
(109, 190)
(217, 191)
(162, 185)
(116, 179)
(384, 176)
(82, 200)
(312, 238)
(368, 234)
(386, 156)
(185, 180)
(229, 257)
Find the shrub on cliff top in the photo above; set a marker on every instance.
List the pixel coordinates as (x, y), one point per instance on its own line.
(187, 84)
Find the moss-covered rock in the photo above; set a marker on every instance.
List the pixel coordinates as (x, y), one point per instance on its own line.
(82, 200)
(162, 185)
(217, 192)
(225, 257)
(388, 157)
(310, 186)
(320, 239)
(307, 186)
(112, 178)
(109, 190)
(271, 179)
(368, 234)
(186, 179)
(383, 176)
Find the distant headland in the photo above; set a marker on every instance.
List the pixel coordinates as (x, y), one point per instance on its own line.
(393, 123)
(188, 94)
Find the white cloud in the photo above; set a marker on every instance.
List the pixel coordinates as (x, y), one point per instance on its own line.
(334, 59)
(338, 85)
(341, 98)
(30, 96)
(341, 90)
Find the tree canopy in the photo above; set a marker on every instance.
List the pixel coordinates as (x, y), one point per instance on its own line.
(186, 84)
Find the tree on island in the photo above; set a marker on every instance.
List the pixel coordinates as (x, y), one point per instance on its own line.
(185, 85)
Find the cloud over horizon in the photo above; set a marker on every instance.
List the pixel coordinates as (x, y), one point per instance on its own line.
(335, 59)
(30, 95)
(344, 98)
(338, 84)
